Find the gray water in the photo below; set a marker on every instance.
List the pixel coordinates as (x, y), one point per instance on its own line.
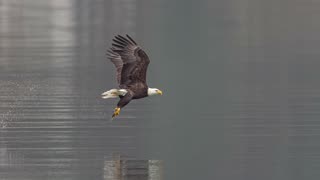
(240, 83)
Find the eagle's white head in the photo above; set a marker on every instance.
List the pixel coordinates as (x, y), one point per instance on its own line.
(154, 91)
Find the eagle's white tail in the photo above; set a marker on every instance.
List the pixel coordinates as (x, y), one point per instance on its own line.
(114, 93)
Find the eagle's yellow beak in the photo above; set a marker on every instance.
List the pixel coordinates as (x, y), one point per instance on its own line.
(159, 92)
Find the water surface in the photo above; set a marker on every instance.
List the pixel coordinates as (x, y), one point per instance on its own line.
(239, 80)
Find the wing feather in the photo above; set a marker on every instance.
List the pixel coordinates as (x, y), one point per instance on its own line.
(119, 42)
(123, 39)
(116, 60)
(130, 60)
(131, 39)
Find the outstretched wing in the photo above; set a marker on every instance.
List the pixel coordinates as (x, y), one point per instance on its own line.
(129, 59)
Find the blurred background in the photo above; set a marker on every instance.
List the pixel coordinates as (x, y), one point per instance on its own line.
(240, 83)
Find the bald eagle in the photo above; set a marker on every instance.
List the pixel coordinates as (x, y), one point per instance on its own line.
(131, 64)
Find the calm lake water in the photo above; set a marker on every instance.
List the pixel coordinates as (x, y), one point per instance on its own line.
(240, 83)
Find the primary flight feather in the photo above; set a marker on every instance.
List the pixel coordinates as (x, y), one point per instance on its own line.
(131, 64)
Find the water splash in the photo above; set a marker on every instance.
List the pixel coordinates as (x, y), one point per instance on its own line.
(14, 94)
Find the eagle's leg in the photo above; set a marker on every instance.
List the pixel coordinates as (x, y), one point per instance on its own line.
(124, 100)
(116, 112)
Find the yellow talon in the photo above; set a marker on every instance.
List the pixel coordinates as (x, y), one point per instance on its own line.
(116, 112)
